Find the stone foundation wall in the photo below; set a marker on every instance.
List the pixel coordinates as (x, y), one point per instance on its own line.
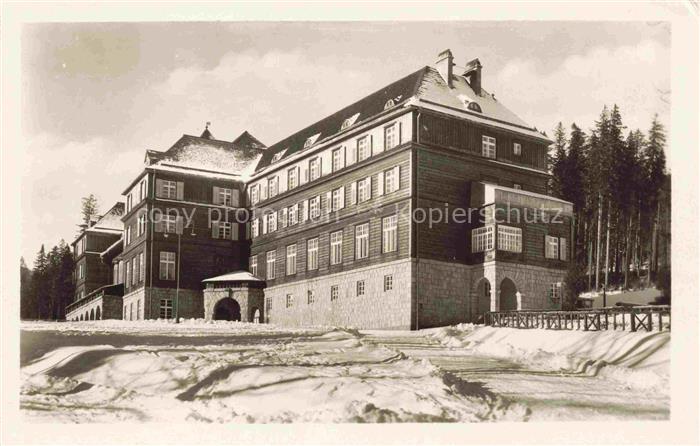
(110, 307)
(443, 293)
(146, 303)
(376, 309)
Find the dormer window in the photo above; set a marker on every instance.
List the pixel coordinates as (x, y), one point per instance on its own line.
(390, 103)
(278, 156)
(473, 106)
(350, 121)
(311, 140)
(517, 148)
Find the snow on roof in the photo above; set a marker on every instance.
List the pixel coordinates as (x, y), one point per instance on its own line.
(112, 247)
(423, 88)
(111, 221)
(244, 276)
(209, 154)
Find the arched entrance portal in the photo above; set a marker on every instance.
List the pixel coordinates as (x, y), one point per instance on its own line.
(507, 299)
(227, 309)
(256, 316)
(483, 299)
(98, 314)
(81, 317)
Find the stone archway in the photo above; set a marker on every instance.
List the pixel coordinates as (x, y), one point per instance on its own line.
(256, 316)
(483, 299)
(98, 313)
(227, 309)
(92, 314)
(87, 315)
(507, 299)
(81, 317)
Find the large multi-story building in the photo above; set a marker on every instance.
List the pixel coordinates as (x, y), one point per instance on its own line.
(422, 204)
(344, 211)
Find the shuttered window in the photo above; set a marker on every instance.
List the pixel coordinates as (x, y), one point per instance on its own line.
(314, 169)
(391, 180)
(338, 198)
(293, 177)
(551, 247)
(362, 241)
(363, 149)
(315, 207)
(293, 214)
(390, 136)
(336, 248)
(312, 254)
(389, 234)
(291, 259)
(271, 264)
(364, 190)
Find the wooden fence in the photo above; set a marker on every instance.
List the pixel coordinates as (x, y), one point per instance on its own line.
(640, 318)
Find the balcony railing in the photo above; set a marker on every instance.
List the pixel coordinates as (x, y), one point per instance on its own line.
(112, 290)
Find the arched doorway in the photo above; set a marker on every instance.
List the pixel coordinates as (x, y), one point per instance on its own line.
(483, 299)
(507, 299)
(92, 314)
(227, 309)
(87, 315)
(256, 316)
(98, 314)
(81, 317)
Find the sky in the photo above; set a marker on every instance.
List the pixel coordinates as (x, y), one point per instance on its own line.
(95, 96)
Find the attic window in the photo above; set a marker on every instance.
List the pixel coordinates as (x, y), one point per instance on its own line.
(278, 156)
(473, 106)
(350, 121)
(311, 140)
(390, 103)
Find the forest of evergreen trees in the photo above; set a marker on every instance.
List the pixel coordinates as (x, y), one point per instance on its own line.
(617, 182)
(48, 287)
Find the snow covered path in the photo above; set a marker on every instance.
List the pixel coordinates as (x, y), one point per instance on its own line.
(107, 371)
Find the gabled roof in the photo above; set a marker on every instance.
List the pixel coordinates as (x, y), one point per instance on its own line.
(425, 86)
(110, 221)
(235, 276)
(246, 140)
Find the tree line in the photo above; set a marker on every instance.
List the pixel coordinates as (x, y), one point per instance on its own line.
(49, 287)
(620, 191)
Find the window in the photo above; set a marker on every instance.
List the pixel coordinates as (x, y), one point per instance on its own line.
(473, 106)
(278, 156)
(310, 298)
(293, 214)
(334, 292)
(128, 235)
(81, 271)
(364, 189)
(127, 279)
(268, 307)
(363, 149)
(390, 137)
(388, 282)
(138, 310)
(336, 248)
(488, 146)
(338, 199)
(271, 264)
(167, 266)
(389, 233)
(349, 121)
(225, 196)
(517, 148)
(131, 311)
(168, 189)
(562, 249)
(142, 267)
(311, 140)
(224, 230)
(551, 247)
(283, 217)
(272, 222)
(312, 254)
(291, 259)
(510, 239)
(143, 189)
(292, 180)
(517, 186)
(289, 300)
(166, 308)
(254, 228)
(315, 207)
(128, 203)
(272, 187)
(337, 163)
(169, 224)
(124, 312)
(254, 265)
(360, 287)
(554, 291)
(314, 169)
(141, 226)
(389, 104)
(362, 241)
(391, 180)
(254, 194)
(134, 271)
(482, 239)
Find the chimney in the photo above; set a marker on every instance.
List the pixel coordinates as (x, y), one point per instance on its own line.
(444, 66)
(473, 74)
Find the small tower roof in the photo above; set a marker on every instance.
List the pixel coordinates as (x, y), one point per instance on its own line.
(206, 133)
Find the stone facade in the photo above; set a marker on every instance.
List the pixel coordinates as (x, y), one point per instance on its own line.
(443, 293)
(145, 303)
(104, 307)
(249, 300)
(375, 309)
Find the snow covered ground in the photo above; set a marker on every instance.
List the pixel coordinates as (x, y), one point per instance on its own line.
(105, 371)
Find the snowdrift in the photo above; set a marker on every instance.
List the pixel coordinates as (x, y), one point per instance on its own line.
(638, 360)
